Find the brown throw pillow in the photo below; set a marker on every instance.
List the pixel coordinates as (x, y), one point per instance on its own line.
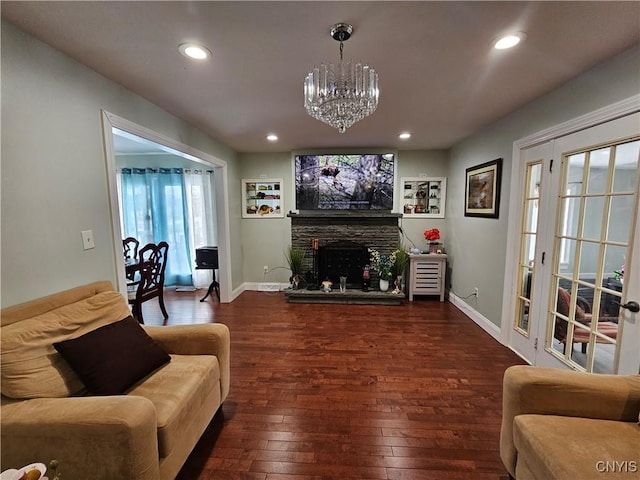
(29, 365)
(112, 358)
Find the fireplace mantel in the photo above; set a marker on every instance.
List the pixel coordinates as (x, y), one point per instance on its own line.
(343, 214)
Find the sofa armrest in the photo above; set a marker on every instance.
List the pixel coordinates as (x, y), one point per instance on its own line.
(550, 391)
(200, 339)
(118, 433)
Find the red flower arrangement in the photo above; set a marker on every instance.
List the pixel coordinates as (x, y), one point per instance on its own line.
(432, 235)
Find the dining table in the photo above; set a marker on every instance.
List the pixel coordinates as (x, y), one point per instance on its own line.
(131, 266)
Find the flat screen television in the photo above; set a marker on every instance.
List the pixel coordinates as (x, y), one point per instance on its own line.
(344, 181)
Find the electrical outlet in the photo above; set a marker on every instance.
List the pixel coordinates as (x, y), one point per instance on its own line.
(475, 292)
(266, 269)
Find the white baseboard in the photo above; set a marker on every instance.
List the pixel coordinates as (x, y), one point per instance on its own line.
(268, 287)
(236, 292)
(264, 286)
(482, 321)
(186, 289)
(518, 354)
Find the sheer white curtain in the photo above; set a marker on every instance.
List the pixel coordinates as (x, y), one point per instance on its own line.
(199, 198)
(174, 205)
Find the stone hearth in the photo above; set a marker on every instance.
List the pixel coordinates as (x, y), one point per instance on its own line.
(351, 296)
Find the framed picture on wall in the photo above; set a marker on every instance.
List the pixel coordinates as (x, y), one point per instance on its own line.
(482, 190)
(262, 198)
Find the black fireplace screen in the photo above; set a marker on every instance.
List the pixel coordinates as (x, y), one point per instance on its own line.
(342, 259)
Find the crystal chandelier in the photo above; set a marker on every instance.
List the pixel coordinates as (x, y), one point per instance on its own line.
(340, 95)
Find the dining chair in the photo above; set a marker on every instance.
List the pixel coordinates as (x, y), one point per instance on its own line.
(152, 264)
(130, 247)
(606, 325)
(130, 251)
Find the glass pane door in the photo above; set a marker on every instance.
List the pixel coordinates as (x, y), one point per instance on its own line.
(596, 211)
(528, 241)
(528, 307)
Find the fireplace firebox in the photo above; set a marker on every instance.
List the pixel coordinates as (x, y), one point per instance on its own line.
(342, 259)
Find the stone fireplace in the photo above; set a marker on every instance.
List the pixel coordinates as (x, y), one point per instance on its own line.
(338, 242)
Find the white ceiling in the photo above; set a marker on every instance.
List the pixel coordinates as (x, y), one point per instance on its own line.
(439, 77)
(125, 143)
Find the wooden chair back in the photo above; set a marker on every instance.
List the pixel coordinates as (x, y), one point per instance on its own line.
(152, 266)
(130, 247)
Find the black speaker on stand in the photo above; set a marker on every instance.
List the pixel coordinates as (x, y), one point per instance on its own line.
(207, 259)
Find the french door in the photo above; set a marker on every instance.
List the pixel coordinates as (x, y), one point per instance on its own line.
(578, 264)
(536, 161)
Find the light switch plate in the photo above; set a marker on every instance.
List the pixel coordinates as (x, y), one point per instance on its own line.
(87, 239)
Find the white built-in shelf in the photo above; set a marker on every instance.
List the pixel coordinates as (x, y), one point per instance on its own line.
(423, 197)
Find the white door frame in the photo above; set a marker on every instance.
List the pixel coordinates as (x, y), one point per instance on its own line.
(110, 121)
(611, 112)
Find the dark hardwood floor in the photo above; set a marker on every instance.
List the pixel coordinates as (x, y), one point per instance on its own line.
(349, 391)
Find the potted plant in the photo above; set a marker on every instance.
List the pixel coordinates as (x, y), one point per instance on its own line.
(382, 264)
(295, 260)
(401, 260)
(432, 236)
(619, 274)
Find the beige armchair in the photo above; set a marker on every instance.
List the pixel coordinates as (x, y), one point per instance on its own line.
(145, 432)
(559, 424)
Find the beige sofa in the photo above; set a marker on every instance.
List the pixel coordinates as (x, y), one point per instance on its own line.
(559, 424)
(146, 433)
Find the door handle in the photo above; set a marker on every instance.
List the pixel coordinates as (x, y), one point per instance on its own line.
(631, 306)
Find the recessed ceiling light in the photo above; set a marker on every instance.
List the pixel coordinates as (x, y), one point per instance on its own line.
(508, 41)
(272, 138)
(404, 136)
(195, 51)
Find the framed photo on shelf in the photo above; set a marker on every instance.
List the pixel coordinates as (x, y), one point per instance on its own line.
(262, 198)
(482, 190)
